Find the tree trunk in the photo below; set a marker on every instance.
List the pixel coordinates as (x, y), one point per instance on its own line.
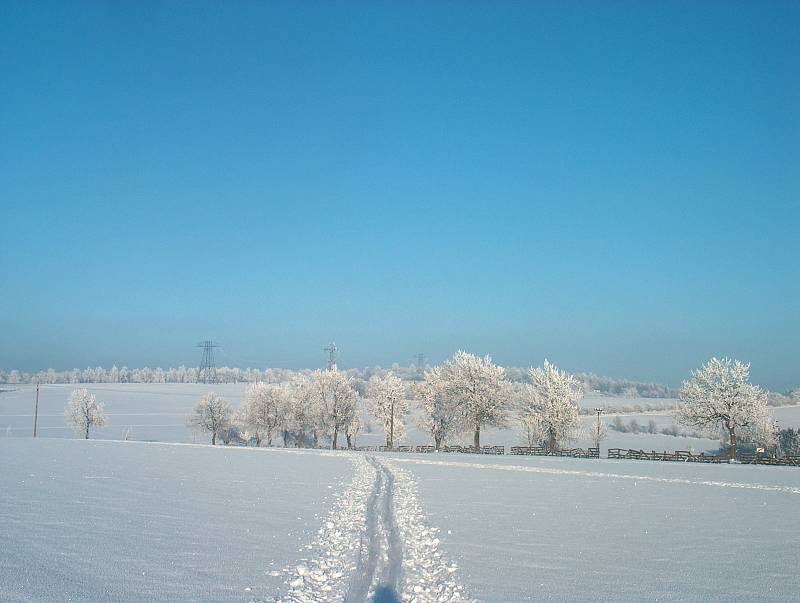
(551, 444)
(477, 442)
(732, 449)
(437, 442)
(86, 435)
(349, 441)
(269, 437)
(335, 438)
(213, 438)
(315, 436)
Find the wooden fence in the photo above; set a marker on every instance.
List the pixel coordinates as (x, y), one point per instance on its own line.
(754, 458)
(678, 456)
(428, 449)
(684, 456)
(590, 453)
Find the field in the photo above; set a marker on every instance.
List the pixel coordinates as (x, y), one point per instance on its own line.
(128, 521)
(166, 517)
(158, 411)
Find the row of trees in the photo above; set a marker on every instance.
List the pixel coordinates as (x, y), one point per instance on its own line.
(466, 393)
(182, 374)
(302, 412)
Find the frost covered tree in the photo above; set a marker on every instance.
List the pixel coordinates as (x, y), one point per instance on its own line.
(438, 413)
(334, 402)
(479, 390)
(530, 426)
(212, 414)
(719, 395)
(83, 412)
(264, 410)
(352, 430)
(301, 418)
(551, 403)
(386, 401)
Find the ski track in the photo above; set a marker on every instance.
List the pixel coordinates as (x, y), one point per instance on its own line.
(324, 576)
(377, 577)
(427, 575)
(375, 546)
(369, 545)
(625, 476)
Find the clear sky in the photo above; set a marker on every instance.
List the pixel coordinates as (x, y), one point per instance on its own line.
(611, 185)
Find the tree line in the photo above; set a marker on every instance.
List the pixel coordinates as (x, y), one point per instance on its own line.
(183, 374)
(464, 394)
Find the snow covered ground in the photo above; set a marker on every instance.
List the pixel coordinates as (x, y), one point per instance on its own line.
(550, 529)
(145, 411)
(124, 521)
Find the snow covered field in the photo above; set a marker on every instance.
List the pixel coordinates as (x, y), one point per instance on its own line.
(572, 530)
(146, 411)
(158, 411)
(123, 521)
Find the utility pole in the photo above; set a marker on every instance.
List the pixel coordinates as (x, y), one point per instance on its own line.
(599, 411)
(36, 410)
(391, 425)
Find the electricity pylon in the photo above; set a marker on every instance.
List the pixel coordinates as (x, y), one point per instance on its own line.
(331, 349)
(207, 373)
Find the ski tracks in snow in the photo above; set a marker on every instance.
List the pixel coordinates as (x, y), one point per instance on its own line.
(428, 576)
(324, 576)
(375, 546)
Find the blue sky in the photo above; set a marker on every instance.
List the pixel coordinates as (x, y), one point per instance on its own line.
(610, 185)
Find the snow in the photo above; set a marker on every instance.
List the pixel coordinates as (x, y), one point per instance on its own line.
(125, 521)
(324, 571)
(375, 545)
(147, 411)
(121, 521)
(552, 529)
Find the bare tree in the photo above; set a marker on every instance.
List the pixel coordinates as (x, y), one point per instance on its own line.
(720, 395)
(212, 414)
(83, 412)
